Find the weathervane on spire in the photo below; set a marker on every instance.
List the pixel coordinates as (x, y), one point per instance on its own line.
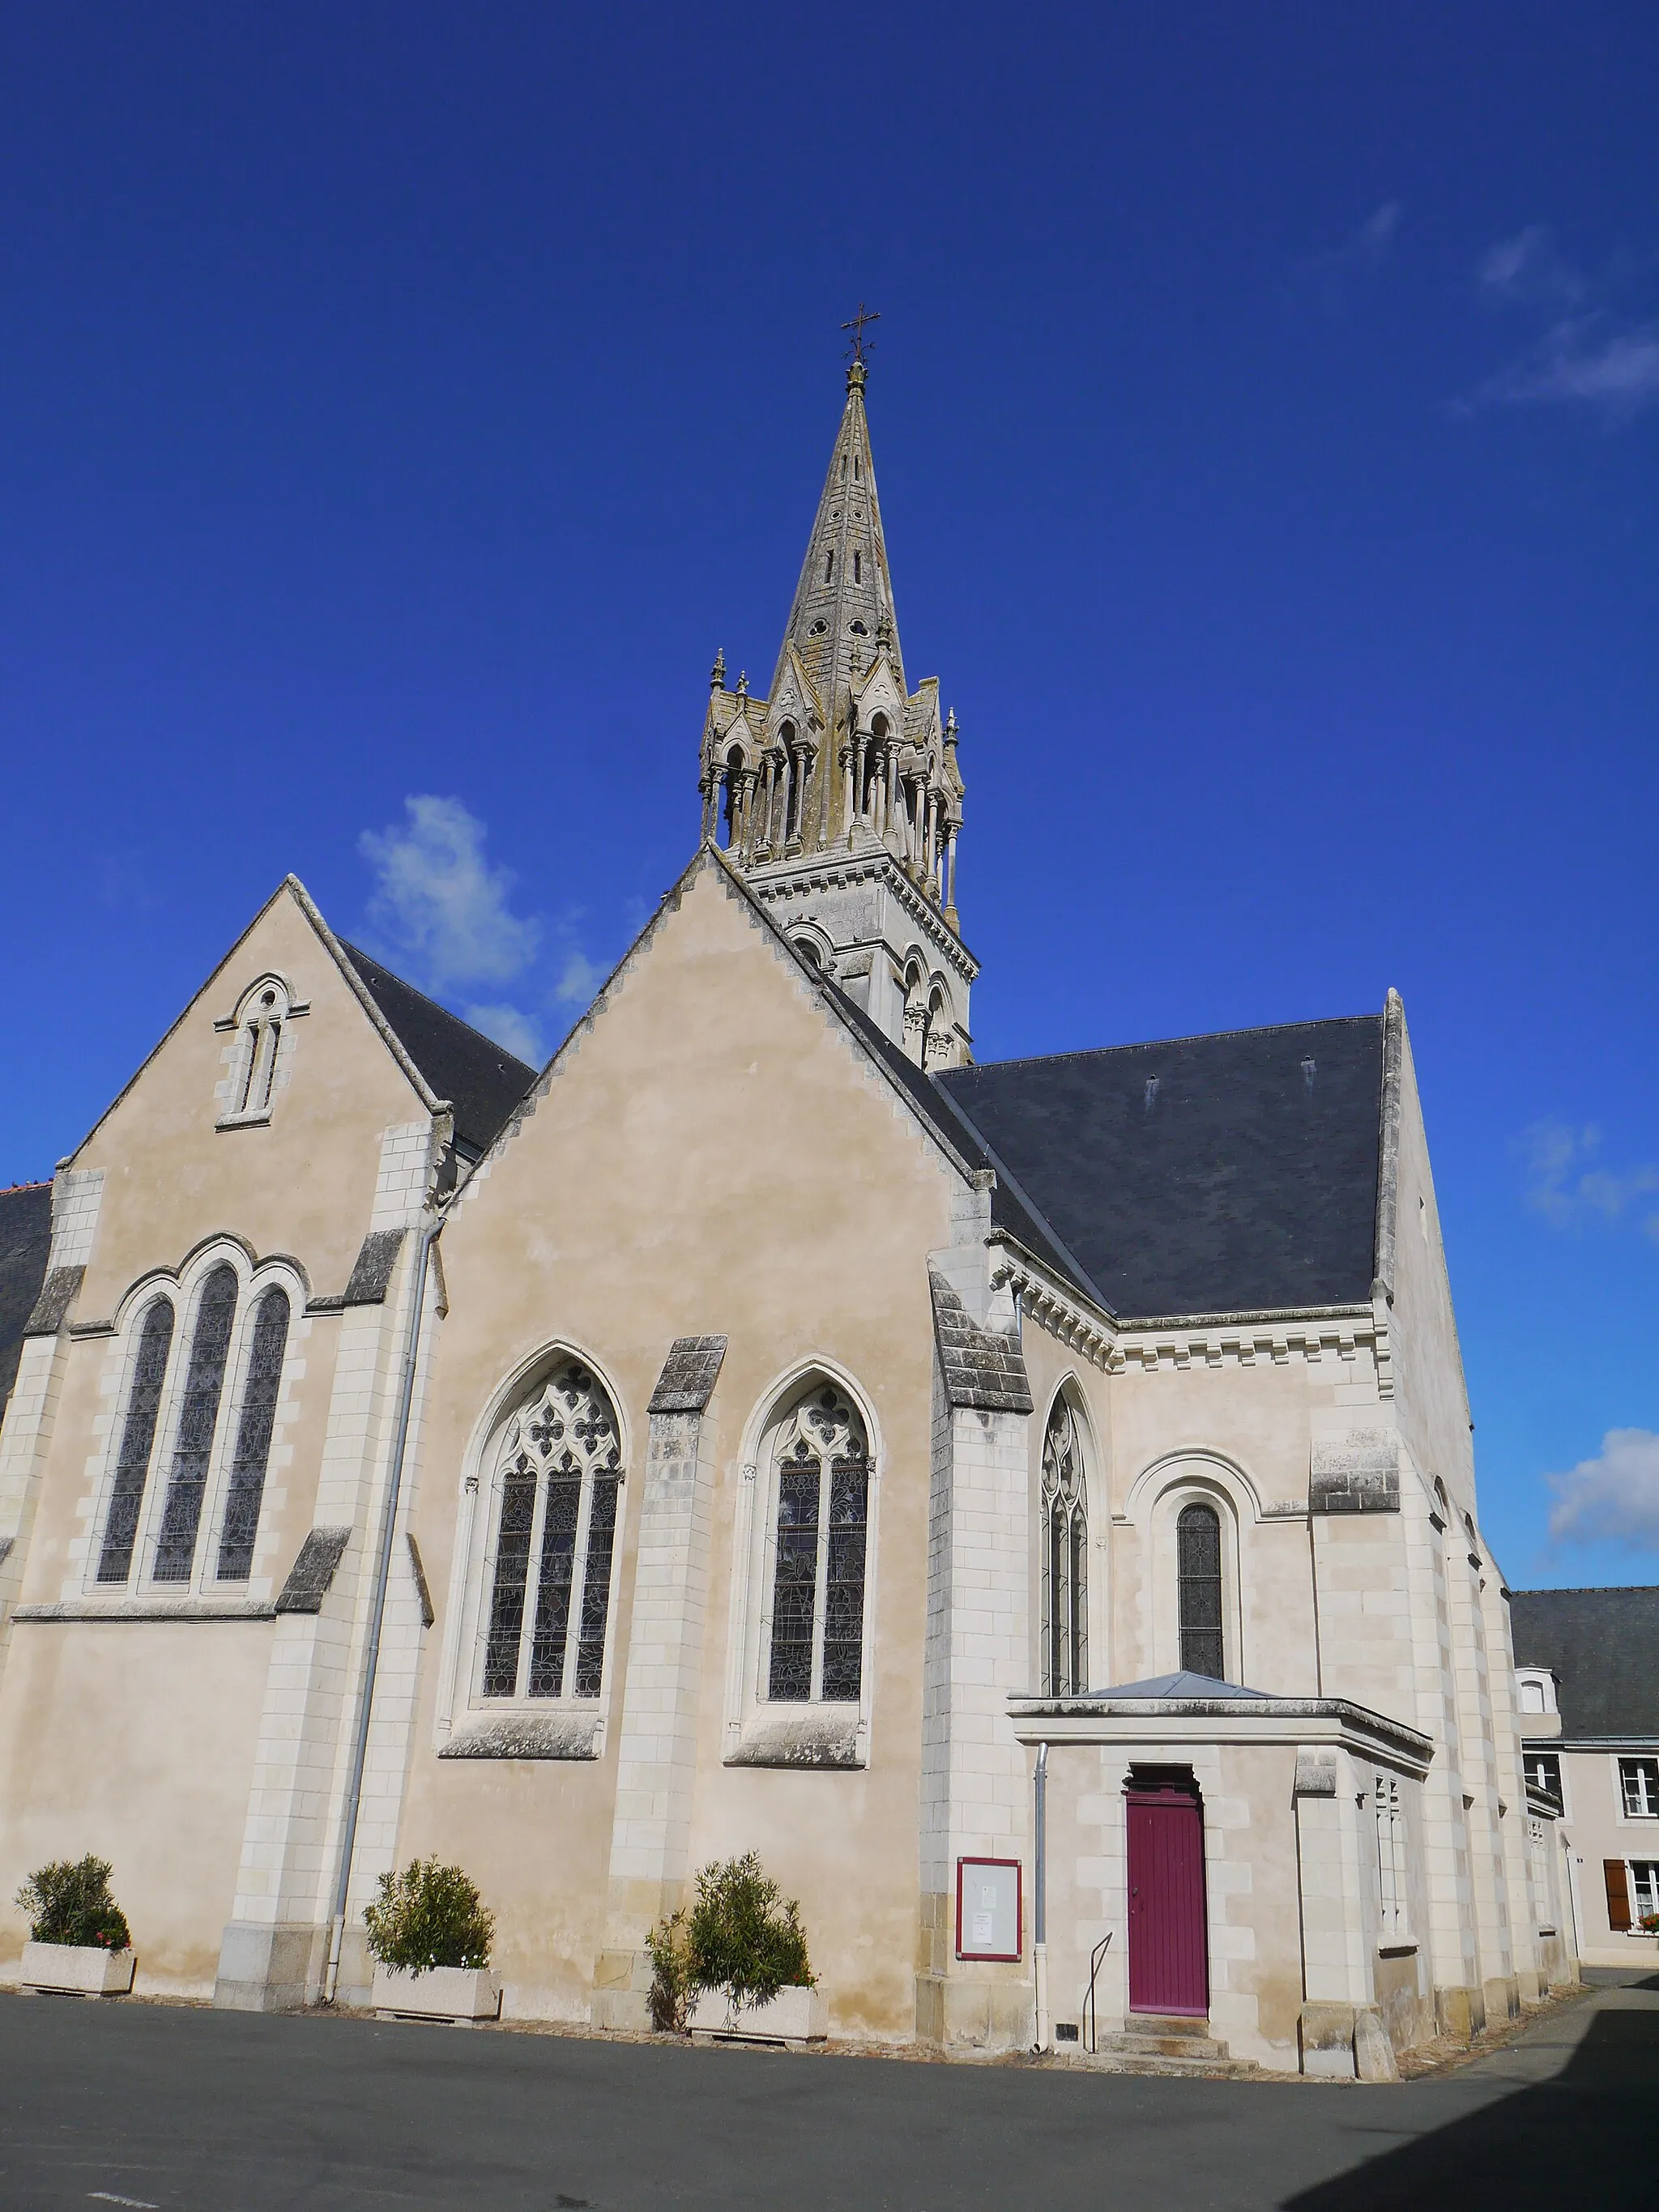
(864, 315)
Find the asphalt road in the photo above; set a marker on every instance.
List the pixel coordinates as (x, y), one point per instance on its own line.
(170, 2106)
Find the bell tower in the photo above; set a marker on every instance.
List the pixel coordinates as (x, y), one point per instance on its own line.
(838, 795)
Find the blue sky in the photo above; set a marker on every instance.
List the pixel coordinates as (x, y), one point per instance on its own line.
(400, 405)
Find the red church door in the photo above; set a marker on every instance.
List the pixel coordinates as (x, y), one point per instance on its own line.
(1168, 1945)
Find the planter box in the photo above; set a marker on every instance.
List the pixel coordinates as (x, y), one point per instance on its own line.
(798, 2015)
(82, 1970)
(460, 1994)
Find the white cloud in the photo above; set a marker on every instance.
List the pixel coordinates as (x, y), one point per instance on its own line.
(1526, 271)
(1362, 253)
(1566, 1183)
(579, 979)
(1614, 1495)
(1583, 362)
(509, 1028)
(437, 897)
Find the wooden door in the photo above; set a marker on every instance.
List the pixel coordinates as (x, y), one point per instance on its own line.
(1168, 1945)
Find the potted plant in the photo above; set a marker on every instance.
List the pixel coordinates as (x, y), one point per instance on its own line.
(429, 1935)
(79, 1942)
(735, 1965)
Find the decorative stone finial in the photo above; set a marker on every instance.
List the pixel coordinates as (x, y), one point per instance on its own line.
(856, 376)
(717, 674)
(743, 683)
(950, 727)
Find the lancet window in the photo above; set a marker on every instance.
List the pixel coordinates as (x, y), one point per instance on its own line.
(815, 1648)
(260, 1388)
(150, 1368)
(1391, 1859)
(558, 1477)
(198, 1419)
(1198, 1567)
(1065, 1558)
(260, 1033)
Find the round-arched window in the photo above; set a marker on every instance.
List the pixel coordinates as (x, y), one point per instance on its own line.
(1198, 1567)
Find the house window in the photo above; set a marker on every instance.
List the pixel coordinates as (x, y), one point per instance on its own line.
(1391, 1860)
(1638, 1785)
(198, 1418)
(138, 1442)
(1065, 1559)
(247, 1472)
(1198, 1567)
(558, 1476)
(1543, 1771)
(1538, 1860)
(815, 1648)
(1644, 1892)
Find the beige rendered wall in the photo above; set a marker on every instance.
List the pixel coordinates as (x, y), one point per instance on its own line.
(712, 1155)
(1596, 1829)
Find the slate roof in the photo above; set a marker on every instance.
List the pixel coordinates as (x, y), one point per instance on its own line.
(25, 1240)
(1229, 1174)
(1602, 1646)
(481, 1079)
(982, 1369)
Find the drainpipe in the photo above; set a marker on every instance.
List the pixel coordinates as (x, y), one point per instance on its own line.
(377, 1610)
(1039, 1914)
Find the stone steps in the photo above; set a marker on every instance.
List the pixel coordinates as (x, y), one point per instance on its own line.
(1148, 2045)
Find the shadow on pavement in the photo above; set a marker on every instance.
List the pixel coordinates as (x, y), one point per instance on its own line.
(1588, 2131)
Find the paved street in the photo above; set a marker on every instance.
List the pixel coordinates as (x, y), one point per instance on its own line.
(172, 2107)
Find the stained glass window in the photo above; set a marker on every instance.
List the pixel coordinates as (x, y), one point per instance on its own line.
(1198, 1543)
(1065, 1559)
(558, 1474)
(138, 1442)
(198, 1418)
(247, 1472)
(816, 1649)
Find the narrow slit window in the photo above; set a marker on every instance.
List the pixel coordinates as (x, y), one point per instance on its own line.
(816, 1646)
(138, 1442)
(830, 567)
(198, 1421)
(1198, 1544)
(858, 567)
(247, 1470)
(558, 1478)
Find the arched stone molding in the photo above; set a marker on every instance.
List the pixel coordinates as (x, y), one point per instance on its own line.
(458, 1689)
(1176, 1479)
(1098, 1514)
(182, 1286)
(820, 1733)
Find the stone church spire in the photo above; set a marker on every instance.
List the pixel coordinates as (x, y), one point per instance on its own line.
(838, 795)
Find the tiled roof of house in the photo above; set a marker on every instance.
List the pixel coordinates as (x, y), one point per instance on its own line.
(1227, 1173)
(481, 1079)
(1602, 1646)
(25, 1240)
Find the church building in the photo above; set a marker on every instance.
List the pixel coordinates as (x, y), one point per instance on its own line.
(1030, 1504)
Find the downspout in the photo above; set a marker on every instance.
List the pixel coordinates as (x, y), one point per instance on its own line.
(1039, 1910)
(377, 1610)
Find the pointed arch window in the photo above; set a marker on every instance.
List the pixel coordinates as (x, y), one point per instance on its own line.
(1065, 1558)
(138, 1442)
(558, 1476)
(1198, 1568)
(815, 1649)
(247, 1473)
(198, 1419)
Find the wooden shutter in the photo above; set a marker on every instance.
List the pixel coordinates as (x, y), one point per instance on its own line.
(1617, 1894)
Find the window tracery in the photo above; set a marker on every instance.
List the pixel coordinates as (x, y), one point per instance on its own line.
(247, 1473)
(1198, 1547)
(138, 1442)
(198, 1419)
(1065, 1559)
(816, 1647)
(558, 1474)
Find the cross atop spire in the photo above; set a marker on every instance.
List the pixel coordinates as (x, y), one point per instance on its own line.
(864, 315)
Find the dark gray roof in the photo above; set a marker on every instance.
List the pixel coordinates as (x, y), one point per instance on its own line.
(1227, 1174)
(25, 1241)
(1602, 1646)
(481, 1079)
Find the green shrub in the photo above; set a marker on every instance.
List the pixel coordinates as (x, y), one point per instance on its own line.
(742, 1937)
(673, 1984)
(432, 1915)
(69, 1902)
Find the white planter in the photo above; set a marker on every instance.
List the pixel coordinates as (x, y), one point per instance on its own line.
(82, 1970)
(458, 1994)
(798, 2015)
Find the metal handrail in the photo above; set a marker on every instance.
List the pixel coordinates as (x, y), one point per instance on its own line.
(1090, 2021)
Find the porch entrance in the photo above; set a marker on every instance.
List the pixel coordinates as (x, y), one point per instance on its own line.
(1168, 1935)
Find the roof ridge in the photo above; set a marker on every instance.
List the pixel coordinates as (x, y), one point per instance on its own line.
(357, 953)
(1591, 1589)
(1159, 1044)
